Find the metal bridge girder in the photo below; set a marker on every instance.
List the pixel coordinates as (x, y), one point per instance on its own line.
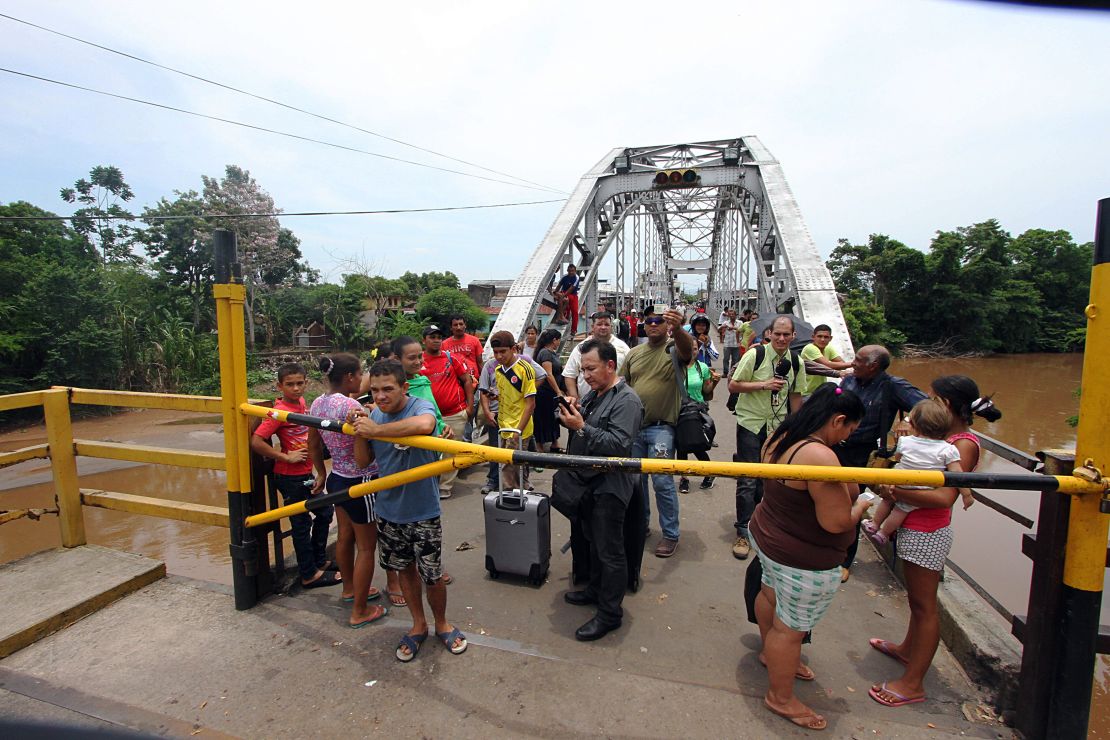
(739, 224)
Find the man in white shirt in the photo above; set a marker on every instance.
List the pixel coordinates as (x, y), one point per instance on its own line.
(602, 330)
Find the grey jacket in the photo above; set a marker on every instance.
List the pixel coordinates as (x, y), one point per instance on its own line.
(612, 424)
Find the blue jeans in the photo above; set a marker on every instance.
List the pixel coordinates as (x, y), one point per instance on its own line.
(657, 441)
(310, 530)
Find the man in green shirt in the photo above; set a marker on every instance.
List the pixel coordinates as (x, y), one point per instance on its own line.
(821, 351)
(649, 370)
(769, 383)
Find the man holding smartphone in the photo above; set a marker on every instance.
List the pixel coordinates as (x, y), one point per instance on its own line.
(649, 370)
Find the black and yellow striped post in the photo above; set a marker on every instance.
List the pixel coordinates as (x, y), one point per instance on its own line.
(230, 295)
(1085, 553)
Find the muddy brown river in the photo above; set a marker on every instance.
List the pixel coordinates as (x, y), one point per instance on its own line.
(1036, 394)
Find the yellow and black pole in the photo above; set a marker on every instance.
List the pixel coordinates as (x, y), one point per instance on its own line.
(230, 295)
(1085, 553)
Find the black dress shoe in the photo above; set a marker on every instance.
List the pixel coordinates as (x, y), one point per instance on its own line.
(595, 629)
(579, 598)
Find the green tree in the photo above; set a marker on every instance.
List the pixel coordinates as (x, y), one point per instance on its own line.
(53, 307)
(426, 282)
(270, 255)
(440, 304)
(98, 220)
(180, 247)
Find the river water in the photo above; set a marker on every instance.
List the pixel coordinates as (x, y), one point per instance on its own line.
(1036, 394)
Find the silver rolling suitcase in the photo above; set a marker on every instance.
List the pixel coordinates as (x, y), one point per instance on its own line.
(518, 531)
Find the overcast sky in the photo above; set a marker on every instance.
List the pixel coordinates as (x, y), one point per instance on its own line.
(888, 117)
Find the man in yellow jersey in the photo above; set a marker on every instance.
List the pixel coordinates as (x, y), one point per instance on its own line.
(516, 391)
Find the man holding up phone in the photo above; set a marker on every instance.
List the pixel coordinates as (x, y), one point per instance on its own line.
(607, 425)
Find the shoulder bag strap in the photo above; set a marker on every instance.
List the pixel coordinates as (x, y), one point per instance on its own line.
(677, 374)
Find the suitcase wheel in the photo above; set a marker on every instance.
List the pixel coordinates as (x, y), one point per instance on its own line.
(492, 568)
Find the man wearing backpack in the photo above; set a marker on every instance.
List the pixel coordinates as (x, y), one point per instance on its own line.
(769, 380)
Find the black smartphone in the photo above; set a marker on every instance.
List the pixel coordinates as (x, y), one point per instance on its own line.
(563, 402)
(365, 399)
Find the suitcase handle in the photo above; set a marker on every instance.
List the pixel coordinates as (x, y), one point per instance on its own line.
(512, 500)
(517, 498)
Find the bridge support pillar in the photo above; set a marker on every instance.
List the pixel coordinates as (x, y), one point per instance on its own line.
(63, 464)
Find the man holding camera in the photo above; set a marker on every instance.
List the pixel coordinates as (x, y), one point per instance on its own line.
(769, 381)
(605, 426)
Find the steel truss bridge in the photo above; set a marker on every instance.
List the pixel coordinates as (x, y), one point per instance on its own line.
(649, 215)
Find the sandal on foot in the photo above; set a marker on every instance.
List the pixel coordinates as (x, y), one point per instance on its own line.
(808, 720)
(802, 673)
(412, 643)
(374, 594)
(876, 693)
(396, 599)
(447, 579)
(379, 613)
(887, 649)
(327, 579)
(448, 639)
(329, 565)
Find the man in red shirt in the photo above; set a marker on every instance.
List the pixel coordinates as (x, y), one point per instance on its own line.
(464, 345)
(293, 477)
(452, 387)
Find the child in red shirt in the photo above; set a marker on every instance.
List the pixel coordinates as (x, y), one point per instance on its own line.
(293, 477)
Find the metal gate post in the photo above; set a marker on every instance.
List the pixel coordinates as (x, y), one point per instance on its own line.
(1085, 556)
(63, 464)
(230, 295)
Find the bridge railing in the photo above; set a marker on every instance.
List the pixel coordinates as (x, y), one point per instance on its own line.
(63, 449)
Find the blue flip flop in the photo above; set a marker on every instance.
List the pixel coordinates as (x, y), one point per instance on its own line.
(448, 640)
(380, 615)
(413, 643)
(374, 594)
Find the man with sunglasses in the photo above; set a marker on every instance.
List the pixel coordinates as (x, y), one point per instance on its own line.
(649, 370)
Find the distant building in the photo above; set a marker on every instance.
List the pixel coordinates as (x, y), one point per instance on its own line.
(313, 336)
(374, 308)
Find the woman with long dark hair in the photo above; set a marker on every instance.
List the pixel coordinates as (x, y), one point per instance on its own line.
(358, 528)
(547, 355)
(801, 531)
(923, 543)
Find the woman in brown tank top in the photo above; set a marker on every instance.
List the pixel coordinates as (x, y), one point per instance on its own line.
(801, 531)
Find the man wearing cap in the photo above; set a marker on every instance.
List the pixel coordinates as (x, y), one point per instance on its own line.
(516, 401)
(452, 386)
(649, 370)
(601, 330)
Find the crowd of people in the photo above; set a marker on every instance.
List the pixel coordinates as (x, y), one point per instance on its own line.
(620, 393)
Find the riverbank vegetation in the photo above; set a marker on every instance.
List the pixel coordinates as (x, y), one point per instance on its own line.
(119, 300)
(975, 290)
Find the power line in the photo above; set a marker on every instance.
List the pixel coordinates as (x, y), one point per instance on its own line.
(274, 102)
(270, 130)
(275, 215)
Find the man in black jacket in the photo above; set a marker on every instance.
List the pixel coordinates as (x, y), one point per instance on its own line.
(605, 425)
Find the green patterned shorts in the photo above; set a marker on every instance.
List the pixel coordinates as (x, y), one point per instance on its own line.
(801, 596)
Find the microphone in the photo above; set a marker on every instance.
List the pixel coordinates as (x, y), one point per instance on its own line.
(781, 371)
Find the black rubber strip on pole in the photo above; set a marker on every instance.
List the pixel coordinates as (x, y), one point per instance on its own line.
(1070, 705)
(1102, 232)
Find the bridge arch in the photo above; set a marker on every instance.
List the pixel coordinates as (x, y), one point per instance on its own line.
(731, 217)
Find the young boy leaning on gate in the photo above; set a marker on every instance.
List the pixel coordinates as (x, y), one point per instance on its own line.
(293, 477)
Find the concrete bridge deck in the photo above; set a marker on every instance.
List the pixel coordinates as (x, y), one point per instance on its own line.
(176, 659)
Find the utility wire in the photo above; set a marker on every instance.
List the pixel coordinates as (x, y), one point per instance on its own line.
(97, 217)
(270, 130)
(274, 102)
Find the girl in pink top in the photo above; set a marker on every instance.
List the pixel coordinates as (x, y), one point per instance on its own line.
(923, 545)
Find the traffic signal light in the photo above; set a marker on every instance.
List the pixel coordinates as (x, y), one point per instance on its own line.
(677, 179)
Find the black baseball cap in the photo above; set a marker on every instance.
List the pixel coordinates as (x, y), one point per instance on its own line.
(432, 329)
